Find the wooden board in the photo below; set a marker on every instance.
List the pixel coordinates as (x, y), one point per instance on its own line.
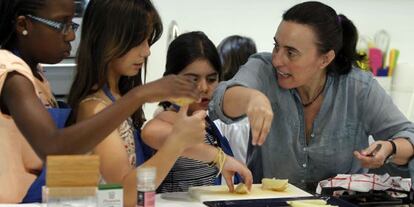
(72, 171)
(68, 192)
(221, 192)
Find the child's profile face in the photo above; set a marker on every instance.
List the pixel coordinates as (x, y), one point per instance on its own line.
(131, 63)
(202, 72)
(58, 41)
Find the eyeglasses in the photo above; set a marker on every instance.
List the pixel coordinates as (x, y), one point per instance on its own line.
(64, 28)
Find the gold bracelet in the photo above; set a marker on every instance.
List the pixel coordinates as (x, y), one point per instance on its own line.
(214, 162)
(219, 160)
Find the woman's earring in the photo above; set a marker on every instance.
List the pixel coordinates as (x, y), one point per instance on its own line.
(24, 33)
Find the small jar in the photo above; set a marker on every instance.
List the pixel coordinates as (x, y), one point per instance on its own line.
(146, 186)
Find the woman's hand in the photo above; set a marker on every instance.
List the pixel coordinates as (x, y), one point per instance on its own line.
(371, 158)
(231, 166)
(239, 101)
(188, 130)
(171, 86)
(260, 115)
(375, 155)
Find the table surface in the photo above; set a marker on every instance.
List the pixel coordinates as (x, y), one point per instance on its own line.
(162, 200)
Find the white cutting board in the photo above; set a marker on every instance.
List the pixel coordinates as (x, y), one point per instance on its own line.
(221, 192)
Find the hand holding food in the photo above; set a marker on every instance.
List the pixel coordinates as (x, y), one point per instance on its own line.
(231, 166)
(182, 101)
(241, 189)
(170, 87)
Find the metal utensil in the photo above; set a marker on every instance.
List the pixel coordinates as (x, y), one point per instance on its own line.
(254, 160)
(374, 152)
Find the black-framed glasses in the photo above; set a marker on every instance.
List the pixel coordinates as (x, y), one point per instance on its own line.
(64, 28)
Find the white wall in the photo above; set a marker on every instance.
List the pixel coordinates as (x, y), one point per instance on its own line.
(259, 20)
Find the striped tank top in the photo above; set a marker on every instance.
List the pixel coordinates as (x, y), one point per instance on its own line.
(187, 173)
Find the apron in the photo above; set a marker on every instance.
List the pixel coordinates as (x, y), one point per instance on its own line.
(34, 194)
(142, 151)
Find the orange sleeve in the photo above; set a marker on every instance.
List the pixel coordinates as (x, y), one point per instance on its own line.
(10, 63)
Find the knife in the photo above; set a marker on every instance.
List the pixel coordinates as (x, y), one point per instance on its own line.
(374, 152)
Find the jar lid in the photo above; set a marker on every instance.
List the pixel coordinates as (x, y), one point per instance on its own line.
(146, 173)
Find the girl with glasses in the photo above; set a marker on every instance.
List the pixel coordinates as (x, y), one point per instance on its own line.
(28, 108)
(62, 27)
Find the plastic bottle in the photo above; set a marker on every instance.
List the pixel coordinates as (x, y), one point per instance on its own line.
(146, 187)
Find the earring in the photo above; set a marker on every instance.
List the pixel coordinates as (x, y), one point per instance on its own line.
(24, 33)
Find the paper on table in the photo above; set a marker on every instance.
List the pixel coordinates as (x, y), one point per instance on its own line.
(365, 182)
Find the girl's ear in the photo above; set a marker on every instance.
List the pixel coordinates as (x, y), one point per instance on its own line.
(23, 26)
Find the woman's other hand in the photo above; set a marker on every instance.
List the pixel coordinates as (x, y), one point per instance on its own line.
(371, 158)
(375, 155)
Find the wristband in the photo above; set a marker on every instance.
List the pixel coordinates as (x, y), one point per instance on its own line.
(394, 151)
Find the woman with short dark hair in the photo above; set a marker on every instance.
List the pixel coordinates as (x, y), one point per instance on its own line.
(311, 104)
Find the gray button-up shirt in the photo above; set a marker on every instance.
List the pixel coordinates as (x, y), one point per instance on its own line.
(354, 107)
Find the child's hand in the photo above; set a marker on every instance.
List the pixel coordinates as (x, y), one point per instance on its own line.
(189, 130)
(170, 87)
(231, 166)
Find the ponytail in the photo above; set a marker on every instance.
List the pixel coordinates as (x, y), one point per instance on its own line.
(334, 32)
(347, 55)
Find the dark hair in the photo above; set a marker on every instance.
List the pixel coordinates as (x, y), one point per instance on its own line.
(333, 32)
(189, 47)
(234, 52)
(9, 11)
(109, 30)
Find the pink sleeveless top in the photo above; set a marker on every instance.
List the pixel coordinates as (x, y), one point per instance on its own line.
(18, 162)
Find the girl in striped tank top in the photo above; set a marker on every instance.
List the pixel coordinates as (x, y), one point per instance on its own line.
(194, 56)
